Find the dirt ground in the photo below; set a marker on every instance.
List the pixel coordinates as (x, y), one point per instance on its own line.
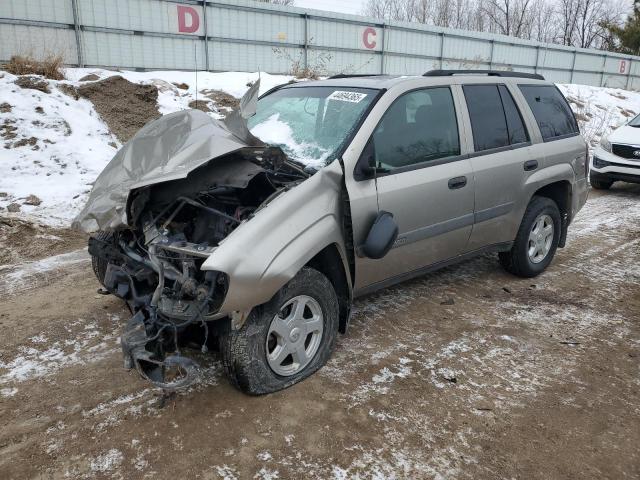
(465, 373)
(124, 106)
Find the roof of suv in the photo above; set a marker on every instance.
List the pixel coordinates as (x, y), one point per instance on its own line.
(388, 81)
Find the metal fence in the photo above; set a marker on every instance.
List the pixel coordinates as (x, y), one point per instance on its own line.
(244, 35)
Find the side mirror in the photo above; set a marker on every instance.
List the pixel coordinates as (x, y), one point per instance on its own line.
(371, 170)
(381, 236)
(367, 166)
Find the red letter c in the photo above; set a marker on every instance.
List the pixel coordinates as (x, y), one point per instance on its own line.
(368, 37)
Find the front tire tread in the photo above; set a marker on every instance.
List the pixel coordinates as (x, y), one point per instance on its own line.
(243, 350)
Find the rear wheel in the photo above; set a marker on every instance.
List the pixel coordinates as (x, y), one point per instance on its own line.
(285, 340)
(537, 239)
(600, 184)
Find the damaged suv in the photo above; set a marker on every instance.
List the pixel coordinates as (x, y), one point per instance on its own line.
(253, 234)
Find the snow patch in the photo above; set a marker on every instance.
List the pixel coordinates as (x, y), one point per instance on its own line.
(107, 461)
(32, 363)
(264, 456)
(31, 274)
(226, 472)
(599, 110)
(8, 392)
(73, 145)
(266, 474)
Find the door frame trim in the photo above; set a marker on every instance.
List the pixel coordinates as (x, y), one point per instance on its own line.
(434, 230)
(493, 212)
(498, 247)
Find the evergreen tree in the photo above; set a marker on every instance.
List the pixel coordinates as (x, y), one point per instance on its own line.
(627, 37)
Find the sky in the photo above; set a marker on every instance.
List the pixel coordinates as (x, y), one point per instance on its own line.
(342, 6)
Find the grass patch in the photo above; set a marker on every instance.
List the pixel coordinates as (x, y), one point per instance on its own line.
(49, 67)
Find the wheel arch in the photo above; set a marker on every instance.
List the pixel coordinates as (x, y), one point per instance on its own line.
(331, 263)
(560, 193)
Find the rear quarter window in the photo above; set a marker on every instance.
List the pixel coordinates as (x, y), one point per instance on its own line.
(551, 111)
(495, 118)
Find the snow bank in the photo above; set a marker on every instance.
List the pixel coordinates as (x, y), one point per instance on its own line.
(66, 144)
(63, 144)
(600, 110)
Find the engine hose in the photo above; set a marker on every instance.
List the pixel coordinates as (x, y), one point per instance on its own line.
(171, 274)
(159, 289)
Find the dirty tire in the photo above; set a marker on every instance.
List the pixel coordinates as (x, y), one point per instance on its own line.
(600, 184)
(100, 265)
(244, 352)
(516, 261)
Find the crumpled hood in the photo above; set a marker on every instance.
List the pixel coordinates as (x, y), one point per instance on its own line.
(165, 149)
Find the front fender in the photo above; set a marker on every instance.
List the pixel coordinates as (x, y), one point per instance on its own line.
(262, 255)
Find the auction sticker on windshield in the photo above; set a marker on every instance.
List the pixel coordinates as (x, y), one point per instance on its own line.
(343, 96)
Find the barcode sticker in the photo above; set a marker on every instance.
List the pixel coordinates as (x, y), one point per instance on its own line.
(343, 96)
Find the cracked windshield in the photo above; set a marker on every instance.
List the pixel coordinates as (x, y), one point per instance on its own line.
(310, 123)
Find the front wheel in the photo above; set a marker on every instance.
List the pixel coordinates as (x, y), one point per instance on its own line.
(600, 184)
(537, 239)
(285, 340)
(99, 265)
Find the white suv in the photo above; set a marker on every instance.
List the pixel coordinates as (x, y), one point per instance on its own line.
(617, 157)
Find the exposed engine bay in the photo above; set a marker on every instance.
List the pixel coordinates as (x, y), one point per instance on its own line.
(155, 265)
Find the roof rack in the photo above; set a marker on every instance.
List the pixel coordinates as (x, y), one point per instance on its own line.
(490, 73)
(352, 75)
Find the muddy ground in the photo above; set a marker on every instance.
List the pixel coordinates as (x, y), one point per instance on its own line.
(466, 373)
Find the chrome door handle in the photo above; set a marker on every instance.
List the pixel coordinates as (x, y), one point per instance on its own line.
(530, 165)
(457, 182)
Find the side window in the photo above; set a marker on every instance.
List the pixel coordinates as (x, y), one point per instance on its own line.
(515, 125)
(420, 126)
(488, 121)
(552, 112)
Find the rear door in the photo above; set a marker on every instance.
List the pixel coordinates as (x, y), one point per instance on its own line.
(428, 187)
(503, 158)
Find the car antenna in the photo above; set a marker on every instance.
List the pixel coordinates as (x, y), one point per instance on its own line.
(195, 66)
(375, 181)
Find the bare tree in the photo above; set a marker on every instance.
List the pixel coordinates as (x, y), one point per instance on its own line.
(279, 2)
(567, 11)
(388, 9)
(592, 21)
(581, 23)
(544, 24)
(510, 17)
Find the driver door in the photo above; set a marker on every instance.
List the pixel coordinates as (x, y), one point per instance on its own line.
(428, 186)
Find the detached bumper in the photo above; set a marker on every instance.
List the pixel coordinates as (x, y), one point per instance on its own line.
(142, 349)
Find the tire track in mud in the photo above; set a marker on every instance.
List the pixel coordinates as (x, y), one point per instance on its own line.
(433, 374)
